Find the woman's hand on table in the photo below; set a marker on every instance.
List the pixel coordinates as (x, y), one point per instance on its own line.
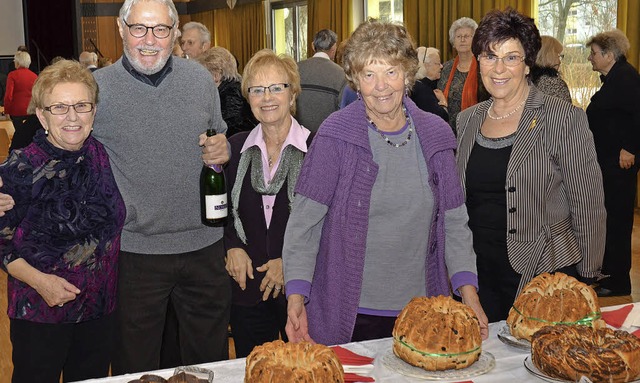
(239, 266)
(273, 281)
(471, 299)
(55, 290)
(6, 201)
(297, 327)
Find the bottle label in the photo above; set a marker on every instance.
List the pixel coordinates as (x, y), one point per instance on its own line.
(216, 206)
(216, 168)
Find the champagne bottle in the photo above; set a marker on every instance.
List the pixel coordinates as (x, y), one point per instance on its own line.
(213, 193)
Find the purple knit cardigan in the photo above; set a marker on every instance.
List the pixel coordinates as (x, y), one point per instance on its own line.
(339, 172)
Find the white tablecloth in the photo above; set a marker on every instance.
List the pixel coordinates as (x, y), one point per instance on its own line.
(509, 366)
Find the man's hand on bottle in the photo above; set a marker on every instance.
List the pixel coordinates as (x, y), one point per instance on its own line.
(215, 149)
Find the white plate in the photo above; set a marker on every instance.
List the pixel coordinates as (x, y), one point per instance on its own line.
(504, 334)
(528, 364)
(484, 364)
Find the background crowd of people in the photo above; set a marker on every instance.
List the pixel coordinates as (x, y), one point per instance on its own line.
(466, 178)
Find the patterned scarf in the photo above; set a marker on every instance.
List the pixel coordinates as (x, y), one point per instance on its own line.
(288, 169)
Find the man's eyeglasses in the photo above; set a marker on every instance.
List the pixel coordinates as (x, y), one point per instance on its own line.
(81, 107)
(273, 89)
(509, 60)
(160, 31)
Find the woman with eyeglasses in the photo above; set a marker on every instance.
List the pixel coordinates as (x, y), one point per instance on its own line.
(529, 170)
(459, 80)
(614, 119)
(545, 73)
(60, 242)
(263, 170)
(379, 214)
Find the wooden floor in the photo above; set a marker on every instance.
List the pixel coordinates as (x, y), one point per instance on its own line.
(5, 344)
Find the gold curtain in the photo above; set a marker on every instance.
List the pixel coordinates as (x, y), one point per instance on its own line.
(629, 23)
(428, 22)
(241, 30)
(328, 14)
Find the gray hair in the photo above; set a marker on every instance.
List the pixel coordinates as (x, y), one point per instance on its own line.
(463, 22)
(219, 59)
(324, 40)
(205, 35)
(88, 58)
(614, 41)
(23, 59)
(125, 10)
(424, 53)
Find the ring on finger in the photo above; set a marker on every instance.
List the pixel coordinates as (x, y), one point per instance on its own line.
(61, 304)
(269, 287)
(278, 288)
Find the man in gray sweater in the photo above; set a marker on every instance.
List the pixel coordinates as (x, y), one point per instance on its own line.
(322, 82)
(153, 139)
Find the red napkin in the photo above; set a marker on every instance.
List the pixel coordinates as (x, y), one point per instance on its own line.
(617, 317)
(350, 357)
(351, 377)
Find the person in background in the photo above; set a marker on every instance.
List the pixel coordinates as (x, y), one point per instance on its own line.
(459, 81)
(425, 92)
(104, 62)
(89, 60)
(235, 109)
(377, 164)
(18, 92)
(195, 39)
(529, 170)
(60, 243)
(545, 74)
(614, 119)
(264, 167)
(322, 82)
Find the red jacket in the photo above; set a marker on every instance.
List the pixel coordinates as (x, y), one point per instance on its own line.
(18, 92)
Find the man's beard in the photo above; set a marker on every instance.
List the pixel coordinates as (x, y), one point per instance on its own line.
(137, 64)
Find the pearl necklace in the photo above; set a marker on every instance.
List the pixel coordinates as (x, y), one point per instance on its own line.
(386, 139)
(506, 115)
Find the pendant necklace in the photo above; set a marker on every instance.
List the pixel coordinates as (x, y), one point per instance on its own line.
(384, 136)
(506, 115)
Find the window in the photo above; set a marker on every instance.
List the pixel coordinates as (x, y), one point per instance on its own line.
(573, 22)
(289, 28)
(385, 10)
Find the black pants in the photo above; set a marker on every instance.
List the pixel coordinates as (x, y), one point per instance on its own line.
(619, 200)
(41, 351)
(254, 325)
(200, 291)
(372, 327)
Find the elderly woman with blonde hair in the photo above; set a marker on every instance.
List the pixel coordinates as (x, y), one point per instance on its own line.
(378, 199)
(264, 168)
(545, 73)
(224, 68)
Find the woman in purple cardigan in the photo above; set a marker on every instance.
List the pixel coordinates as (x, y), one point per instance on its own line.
(379, 214)
(60, 242)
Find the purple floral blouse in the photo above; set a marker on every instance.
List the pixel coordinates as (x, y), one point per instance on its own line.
(66, 221)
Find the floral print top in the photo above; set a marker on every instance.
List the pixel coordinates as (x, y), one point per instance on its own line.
(67, 221)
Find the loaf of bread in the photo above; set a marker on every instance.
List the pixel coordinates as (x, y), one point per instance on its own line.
(553, 299)
(303, 362)
(603, 355)
(437, 333)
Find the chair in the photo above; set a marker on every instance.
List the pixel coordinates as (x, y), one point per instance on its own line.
(5, 142)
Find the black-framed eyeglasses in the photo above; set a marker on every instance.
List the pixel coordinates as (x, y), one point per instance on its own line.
(160, 31)
(58, 109)
(273, 89)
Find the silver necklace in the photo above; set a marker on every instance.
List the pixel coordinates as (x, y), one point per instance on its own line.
(384, 136)
(271, 156)
(506, 115)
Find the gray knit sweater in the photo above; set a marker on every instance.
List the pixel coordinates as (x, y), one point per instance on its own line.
(151, 135)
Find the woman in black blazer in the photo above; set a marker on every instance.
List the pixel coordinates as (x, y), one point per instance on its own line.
(264, 167)
(528, 166)
(614, 119)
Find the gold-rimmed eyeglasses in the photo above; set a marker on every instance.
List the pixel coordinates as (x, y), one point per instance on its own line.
(58, 109)
(160, 31)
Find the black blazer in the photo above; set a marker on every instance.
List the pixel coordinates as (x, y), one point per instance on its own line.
(262, 244)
